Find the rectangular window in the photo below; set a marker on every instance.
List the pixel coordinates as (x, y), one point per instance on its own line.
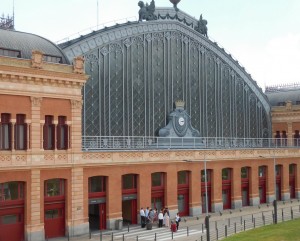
(5, 132)
(62, 133)
(261, 171)
(97, 184)
(292, 169)
(53, 213)
(49, 133)
(11, 191)
(157, 179)
(226, 174)
(54, 187)
(244, 172)
(182, 177)
(208, 173)
(10, 53)
(20, 133)
(129, 181)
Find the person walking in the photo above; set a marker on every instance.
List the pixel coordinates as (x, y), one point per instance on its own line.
(177, 220)
(160, 219)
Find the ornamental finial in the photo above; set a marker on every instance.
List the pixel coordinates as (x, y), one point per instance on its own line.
(175, 2)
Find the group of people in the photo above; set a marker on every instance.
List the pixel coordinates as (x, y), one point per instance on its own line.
(162, 216)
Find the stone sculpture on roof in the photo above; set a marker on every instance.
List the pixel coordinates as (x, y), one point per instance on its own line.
(202, 28)
(146, 12)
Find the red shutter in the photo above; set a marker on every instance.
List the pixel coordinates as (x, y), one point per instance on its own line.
(9, 136)
(52, 137)
(58, 133)
(15, 137)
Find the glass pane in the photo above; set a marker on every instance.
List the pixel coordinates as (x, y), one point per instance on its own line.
(20, 129)
(157, 179)
(182, 177)
(128, 181)
(225, 174)
(292, 169)
(261, 171)
(97, 184)
(180, 201)
(208, 173)
(245, 196)
(11, 191)
(225, 197)
(244, 172)
(10, 219)
(54, 213)
(54, 187)
(156, 203)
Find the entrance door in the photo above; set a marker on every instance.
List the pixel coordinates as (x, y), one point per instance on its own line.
(55, 220)
(183, 203)
(262, 193)
(157, 202)
(12, 224)
(245, 195)
(226, 197)
(102, 216)
(203, 199)
(129, 211)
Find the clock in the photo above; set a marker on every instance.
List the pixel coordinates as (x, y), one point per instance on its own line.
(181, 121)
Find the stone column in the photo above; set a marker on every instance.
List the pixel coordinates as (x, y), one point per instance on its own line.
(36, 132)
(290, 133)
(35, 228)
(78, 225)
(76, 137)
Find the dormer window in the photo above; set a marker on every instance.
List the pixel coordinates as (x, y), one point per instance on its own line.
(10, 53)
(52, 59)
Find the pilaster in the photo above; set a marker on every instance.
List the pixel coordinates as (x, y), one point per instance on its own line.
(236, 188)
(36, 135)
(217, 202)
(253, 188)
(195, 193)
(76, 136)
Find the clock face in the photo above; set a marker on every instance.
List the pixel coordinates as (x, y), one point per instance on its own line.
(181, 121)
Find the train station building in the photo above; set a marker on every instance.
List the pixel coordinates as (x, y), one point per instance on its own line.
(133, 116)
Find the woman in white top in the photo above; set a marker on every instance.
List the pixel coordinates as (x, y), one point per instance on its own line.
(167, 219)
(160, 219)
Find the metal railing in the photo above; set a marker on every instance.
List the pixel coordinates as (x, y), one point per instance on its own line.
(96, 143)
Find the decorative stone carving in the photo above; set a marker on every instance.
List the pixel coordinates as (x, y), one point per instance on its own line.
(202, 28)
(37, 59)
(288, 105)
(36, 101)
(78, 65)
(76, 104)
(146, 12)
(179, 123)
(175, 2)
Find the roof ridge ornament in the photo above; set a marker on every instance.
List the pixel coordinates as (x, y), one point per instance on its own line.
(175, 2)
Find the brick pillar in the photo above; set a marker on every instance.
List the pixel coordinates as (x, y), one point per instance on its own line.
(76, 137)
(35, 228)
(36, 133)
(217, 202)
(290, 133)
(143, 193)
(253, 188)
(285, 182)
(78, 225)
(171, 187)
(236, 188)
(113, 200)
(195, 192)
(270, 182)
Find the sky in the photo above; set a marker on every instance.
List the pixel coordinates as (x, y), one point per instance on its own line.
(263, 35)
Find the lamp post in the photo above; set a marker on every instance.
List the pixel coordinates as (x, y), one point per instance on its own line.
(206, 197)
